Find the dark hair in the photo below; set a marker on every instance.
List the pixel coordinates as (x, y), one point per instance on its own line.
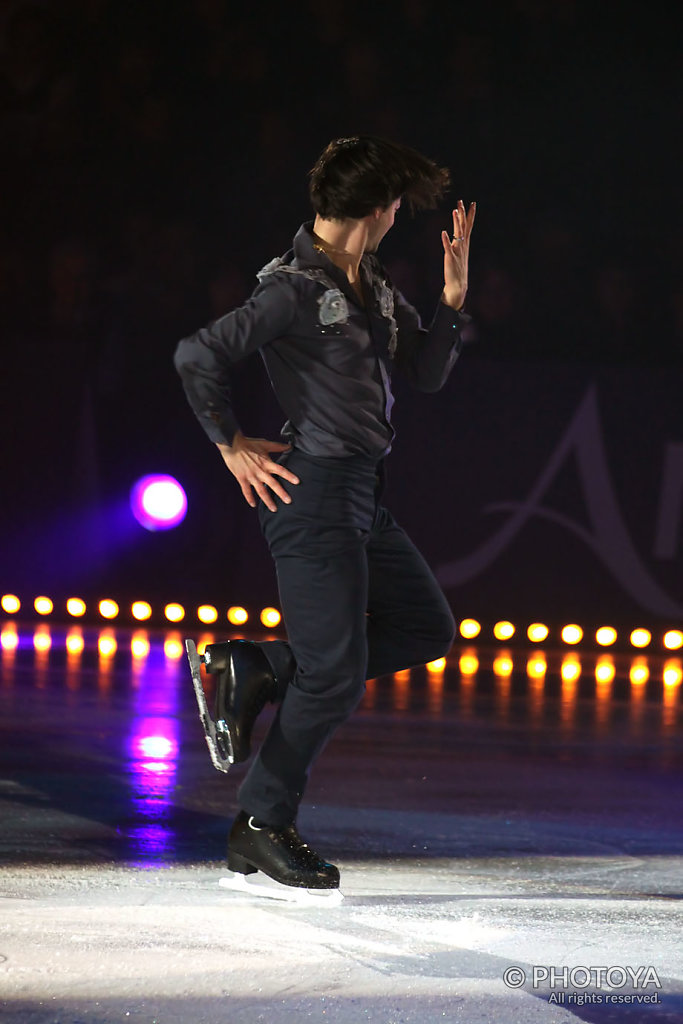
(354, 176)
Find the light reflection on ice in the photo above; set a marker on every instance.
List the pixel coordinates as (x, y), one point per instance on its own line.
(152, 753)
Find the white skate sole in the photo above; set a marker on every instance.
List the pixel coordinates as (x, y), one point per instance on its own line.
(268, 888)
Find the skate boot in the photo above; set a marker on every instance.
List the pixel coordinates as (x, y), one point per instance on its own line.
(293, 871)
(244, 686)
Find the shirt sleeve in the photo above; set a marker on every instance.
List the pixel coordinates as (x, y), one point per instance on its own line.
(203, 360)
(426, 357)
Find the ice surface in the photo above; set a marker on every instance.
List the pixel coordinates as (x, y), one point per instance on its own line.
(473, 834)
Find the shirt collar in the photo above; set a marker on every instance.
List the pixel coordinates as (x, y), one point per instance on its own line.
(303, 247)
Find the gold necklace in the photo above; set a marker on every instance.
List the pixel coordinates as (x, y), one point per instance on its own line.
(319, 247)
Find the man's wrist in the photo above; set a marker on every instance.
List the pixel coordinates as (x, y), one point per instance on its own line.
(456, 300)
(229, 446)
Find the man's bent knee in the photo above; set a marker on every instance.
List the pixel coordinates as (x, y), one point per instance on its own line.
(441, 635)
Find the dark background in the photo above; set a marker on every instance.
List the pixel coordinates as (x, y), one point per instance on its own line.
(154, 157)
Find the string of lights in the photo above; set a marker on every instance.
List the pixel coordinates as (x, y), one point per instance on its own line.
(140, 611)
(503, 630)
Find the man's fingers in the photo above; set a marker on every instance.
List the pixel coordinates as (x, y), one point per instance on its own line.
(283, 472)
(276, 446)
(269, 467)
(260, 468)
(276, 488)
(265, 484)
(457, 226)
(460, 231)
(263, 489)
(264, 495)
(470, 218)
(262, 444)
(248, 496)
(463, 220)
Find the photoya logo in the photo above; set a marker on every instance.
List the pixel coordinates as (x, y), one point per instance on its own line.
(606, 534)
(581, 977)
(570, 985)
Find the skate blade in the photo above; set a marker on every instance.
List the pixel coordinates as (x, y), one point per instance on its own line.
(211, 729)
(270, 889)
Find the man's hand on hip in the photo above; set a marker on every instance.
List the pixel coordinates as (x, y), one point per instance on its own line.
(249, 462)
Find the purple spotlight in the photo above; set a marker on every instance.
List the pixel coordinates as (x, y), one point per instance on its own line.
(158, 502)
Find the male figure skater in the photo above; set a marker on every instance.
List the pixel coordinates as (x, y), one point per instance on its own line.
(357, 598)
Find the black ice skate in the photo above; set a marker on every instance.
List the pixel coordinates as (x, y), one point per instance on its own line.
(293, 871)
(244, 685)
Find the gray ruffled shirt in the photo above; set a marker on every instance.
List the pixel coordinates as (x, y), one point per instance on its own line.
(329, 359)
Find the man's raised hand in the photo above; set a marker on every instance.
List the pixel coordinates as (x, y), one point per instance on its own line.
(456, 252)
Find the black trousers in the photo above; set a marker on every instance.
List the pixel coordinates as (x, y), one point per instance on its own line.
(358, 601)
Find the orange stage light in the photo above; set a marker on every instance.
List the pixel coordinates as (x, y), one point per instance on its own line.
(270, 617)
(237, 615)
(207, 613)
(673, 640)
(641, 637)
(572, 634)
(174, 612)
(503, 630)
(469, 628)
(108, 609)
(141, 610)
